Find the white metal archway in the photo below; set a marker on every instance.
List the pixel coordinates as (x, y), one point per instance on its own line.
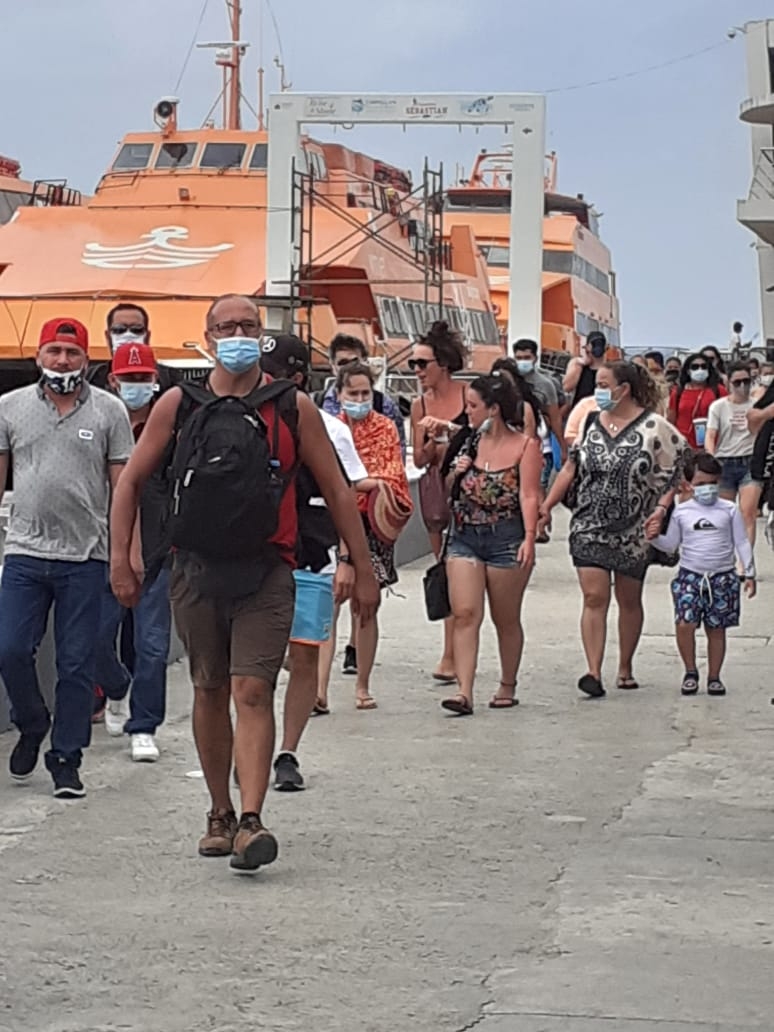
(521, 115)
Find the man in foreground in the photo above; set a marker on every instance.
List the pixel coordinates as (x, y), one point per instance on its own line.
(233, 612)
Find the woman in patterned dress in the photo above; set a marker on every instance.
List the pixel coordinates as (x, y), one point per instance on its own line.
(628, 461)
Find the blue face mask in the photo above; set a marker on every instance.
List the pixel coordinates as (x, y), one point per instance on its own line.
(357, 409)
(525, 366)
(706, 494)
(238, 354)
(604, 399)
(136, 395)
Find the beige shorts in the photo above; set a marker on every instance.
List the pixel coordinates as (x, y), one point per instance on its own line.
(241, 637)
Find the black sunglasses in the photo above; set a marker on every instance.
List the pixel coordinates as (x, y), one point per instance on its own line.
(702, 366)
(742, 383)
(419, 363)
(122, 328)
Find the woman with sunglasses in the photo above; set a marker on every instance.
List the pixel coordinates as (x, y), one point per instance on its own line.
(730, 440)
(492, 543)
(690, 400)
(436, 416)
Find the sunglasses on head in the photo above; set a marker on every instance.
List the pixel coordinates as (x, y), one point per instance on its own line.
(122, 328)
(419, 363)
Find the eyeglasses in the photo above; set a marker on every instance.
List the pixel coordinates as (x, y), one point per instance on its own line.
(250, 327)
(419, 363)
(122, 328)
(742, 383)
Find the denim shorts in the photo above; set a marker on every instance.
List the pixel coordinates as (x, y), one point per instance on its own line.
(709, 599)
(495, 544)
(736, 472)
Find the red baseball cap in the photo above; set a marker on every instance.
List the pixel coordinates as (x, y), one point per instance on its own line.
(133, 358)
(64, 331)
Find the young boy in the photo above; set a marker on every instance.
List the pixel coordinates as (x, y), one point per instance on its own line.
(709, 531)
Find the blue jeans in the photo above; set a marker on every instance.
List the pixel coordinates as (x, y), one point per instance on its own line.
(28, 589)
(495, 544)
(152, 628)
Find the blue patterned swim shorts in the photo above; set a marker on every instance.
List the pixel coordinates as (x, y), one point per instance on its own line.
(711, 599)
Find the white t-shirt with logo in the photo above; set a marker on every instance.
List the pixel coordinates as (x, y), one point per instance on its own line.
(708, 537)
(729, 419)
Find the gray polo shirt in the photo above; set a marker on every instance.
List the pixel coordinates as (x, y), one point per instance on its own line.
(61, 487)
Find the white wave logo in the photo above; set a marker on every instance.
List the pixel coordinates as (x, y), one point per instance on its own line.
(156, 253)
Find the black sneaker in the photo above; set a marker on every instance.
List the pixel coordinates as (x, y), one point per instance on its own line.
(350, 660)
(24, 758)
(287, 776)
(67, 783)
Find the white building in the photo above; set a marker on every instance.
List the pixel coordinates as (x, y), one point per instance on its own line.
(757, 211)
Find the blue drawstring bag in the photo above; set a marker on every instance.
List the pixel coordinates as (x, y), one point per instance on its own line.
(313, 614)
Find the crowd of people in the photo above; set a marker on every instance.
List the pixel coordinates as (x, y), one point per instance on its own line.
(249, 513)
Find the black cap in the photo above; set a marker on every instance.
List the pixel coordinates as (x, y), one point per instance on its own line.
(284, 355)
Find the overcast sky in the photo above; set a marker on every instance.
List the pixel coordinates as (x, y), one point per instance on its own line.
(662, 155)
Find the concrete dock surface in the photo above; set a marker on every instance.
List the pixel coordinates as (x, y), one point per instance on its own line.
(566, 866)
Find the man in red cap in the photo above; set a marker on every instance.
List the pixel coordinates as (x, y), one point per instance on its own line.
(68, 442)
(134, 378)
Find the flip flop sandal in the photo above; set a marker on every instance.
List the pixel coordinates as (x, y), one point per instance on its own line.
(504, 701)
(591, 686)
(690, 685)
(627, 684)
(366, 703)
(445, 678)
(458, 704)
(320, 709)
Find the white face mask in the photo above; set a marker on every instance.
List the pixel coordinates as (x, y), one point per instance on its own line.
(767, 379)
(117, 339)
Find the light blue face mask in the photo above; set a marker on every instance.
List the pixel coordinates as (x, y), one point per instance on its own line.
(699, 375)
(238, 354)
(706, 494)
(357, 409)
(604, 399)
(525, 366)
(135, 395)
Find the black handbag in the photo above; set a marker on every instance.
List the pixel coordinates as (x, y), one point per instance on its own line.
(436, 580)
(436, 585)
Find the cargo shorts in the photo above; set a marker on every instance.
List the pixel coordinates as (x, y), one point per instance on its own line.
(240, 637)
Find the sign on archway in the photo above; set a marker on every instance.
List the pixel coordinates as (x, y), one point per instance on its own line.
(522, 115)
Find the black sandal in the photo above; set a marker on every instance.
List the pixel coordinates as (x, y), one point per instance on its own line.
(626, 684)
(591, 686)
(504, 701)
(459, 705)
(690, 685)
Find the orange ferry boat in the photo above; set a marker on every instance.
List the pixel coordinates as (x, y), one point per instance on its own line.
(579, 285)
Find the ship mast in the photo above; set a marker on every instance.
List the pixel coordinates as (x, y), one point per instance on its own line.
(234, 90)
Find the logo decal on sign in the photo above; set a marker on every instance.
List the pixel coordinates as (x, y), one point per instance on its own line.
(158, 252)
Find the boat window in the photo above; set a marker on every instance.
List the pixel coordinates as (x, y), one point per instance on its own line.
(133, 156)
(260, 156)
(497, 255)
(558, 261)
(223, 155)
(176, 155)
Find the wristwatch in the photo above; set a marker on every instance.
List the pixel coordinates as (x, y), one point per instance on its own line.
(343, 557)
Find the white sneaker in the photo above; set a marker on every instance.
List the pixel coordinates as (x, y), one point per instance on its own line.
(144, 749)
(116, 715)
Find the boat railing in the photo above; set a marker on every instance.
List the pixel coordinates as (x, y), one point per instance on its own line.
(51, 193)
(762, 186)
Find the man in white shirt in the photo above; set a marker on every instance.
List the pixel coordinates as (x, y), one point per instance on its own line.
(286, 357)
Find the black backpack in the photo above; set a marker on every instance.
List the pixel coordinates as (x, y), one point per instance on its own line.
(227, 484)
